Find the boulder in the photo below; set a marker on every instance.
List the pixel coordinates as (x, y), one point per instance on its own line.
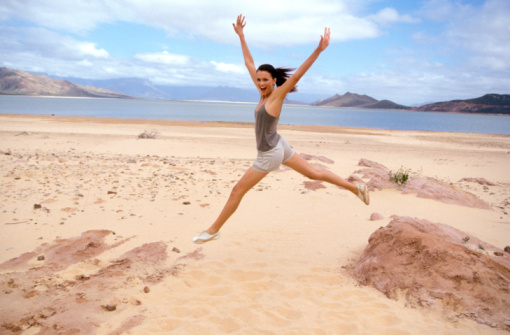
(436, 266)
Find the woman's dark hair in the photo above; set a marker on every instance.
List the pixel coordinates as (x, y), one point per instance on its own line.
(281, 74)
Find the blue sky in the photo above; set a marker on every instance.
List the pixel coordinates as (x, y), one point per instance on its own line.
(410, 52)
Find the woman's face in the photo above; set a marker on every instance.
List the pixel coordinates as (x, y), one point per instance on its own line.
(265, 82)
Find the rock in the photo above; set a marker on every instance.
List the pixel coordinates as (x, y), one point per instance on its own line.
(40, 258)
(47, 312)
(507, 248)
(313, 185)
(186, 203)
(37, 206)
(176, 250)
(376, 217)
(371, 164)
(109, 308)
(424, 187)
(146, 289)
(433, 267)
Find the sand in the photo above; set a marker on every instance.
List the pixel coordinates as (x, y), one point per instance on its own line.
(284, 262)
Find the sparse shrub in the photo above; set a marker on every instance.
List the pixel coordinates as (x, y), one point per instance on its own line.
(148, 134)
(400, 177)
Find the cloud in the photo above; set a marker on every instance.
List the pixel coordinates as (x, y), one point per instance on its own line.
(77, 16)
(164, 58)
(88, 48)
(390, 15)
(478, 34)
(228, 68)
(485, 33)
(438, 10)
(284, 22)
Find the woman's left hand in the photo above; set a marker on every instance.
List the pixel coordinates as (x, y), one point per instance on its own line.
(323, 44)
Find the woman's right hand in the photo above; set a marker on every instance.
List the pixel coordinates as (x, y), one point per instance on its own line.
(238, 27)
(323, 44)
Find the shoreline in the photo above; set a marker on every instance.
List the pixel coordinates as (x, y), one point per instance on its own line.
(230, 124)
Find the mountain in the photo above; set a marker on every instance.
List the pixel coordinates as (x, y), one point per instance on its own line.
(17, 82)
(487, 104)
(358, 101)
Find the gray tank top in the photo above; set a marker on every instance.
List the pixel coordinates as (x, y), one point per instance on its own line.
(265, 129)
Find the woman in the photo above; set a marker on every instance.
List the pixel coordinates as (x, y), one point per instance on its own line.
(273, 85)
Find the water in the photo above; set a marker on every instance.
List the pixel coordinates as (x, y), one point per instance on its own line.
(243, 112)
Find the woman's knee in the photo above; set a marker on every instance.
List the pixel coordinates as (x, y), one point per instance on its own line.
(238, 191)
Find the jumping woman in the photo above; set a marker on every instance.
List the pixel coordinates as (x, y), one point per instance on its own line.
(273, 150)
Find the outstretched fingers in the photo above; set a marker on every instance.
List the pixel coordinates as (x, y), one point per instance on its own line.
(238, 27)
(325, 39)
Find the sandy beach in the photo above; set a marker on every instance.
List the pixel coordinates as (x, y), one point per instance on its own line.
(284, 262)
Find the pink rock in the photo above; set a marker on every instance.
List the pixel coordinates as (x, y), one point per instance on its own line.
(376, 217)
(481, 181)
(313, 185)
(424, 187)
(439, 267)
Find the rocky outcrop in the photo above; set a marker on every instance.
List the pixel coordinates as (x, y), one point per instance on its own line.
(481, 181)
(40, 292)
(487, 104)
(359, 101)
(437, 266)
(424, 187)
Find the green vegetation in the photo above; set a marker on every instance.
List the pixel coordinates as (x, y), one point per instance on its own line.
(400, 177)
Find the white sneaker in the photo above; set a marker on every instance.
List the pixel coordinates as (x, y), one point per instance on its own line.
(363, 193)
(205, 237)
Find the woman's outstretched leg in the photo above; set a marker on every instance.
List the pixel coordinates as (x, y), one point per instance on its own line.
(246, 183)
(299, 164)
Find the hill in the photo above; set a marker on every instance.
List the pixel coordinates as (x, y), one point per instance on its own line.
(359, 101)
(487, 104)
(17, 82)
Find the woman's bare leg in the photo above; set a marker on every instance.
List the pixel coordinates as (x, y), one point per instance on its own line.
(247, 181)
(299, 164)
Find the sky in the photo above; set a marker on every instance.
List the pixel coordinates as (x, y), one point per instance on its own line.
(409, 51)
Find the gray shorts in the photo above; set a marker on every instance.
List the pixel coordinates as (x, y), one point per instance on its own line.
(271, 160)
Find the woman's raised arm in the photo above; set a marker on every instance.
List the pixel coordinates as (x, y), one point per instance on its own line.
(248, 59)
(296, 76)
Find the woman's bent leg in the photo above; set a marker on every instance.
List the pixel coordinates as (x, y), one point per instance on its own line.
(246, 183)
(299, 164)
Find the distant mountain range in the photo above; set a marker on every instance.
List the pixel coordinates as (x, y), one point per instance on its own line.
(488, 104)
(17, 82)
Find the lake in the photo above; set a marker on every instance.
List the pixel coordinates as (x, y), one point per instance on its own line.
(243, 112)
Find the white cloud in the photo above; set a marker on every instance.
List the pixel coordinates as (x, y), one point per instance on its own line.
(88, 48)
(485, 33)
(479, 35)
(390, 15)
(164, 57)
(228, 68)
(287, 22)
